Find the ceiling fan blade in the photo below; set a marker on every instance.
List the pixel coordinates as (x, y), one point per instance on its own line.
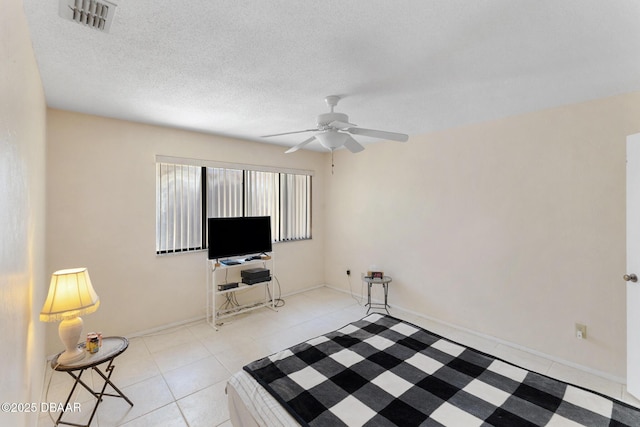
(288, 133)
(299, 146)
(353, 145)
(340, 125)
(379, 134)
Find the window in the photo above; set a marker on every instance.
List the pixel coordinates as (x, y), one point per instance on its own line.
(295, 206)
(178, 208)
(224, 192)
(189, 191)
(261, 198)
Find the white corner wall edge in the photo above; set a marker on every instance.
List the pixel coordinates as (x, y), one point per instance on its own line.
(568, 363)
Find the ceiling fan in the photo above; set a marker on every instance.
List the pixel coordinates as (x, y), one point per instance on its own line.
(334, 131)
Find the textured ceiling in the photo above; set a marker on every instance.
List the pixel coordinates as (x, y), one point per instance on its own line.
(249, 68)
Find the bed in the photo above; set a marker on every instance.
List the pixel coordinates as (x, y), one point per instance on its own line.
(383, 371)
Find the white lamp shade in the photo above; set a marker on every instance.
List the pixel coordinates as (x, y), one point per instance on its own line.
(70, 295)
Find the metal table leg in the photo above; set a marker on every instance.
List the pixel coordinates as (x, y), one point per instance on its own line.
(98, 396)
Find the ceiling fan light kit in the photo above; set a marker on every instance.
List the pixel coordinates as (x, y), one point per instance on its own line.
(331, 139)
(334, 131)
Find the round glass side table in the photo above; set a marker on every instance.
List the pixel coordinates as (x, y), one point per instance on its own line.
(384, 281)
(111, 348)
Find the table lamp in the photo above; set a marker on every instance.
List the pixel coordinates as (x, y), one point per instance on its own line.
(70, 296)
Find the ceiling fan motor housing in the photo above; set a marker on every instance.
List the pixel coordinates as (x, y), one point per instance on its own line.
(325, 119)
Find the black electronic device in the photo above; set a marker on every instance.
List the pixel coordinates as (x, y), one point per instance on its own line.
(227, 286)
(254, 280)
(254, 273)
(237, 236)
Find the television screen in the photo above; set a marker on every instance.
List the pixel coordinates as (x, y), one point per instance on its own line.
(238, 236)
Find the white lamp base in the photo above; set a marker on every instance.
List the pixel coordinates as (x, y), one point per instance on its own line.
(69, 332)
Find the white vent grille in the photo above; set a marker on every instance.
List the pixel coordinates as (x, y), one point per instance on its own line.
(92, 13)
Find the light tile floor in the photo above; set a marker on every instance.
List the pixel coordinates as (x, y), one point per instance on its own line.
(177, 377)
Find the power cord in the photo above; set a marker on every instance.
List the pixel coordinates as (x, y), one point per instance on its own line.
(278, 302)
(48, 387)
(361, 300)
(46, 393)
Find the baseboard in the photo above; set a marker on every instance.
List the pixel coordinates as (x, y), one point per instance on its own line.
(301, 291)
(180, 323)
(164, 327)
(496, 340)
(151, 331)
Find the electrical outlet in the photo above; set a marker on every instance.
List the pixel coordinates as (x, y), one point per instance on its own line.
(581, 331)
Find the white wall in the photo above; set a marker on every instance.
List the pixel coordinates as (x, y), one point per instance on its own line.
(101, 215)
(513, 228)
(22, 203)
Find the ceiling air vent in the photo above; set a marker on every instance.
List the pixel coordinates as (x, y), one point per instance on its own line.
(97, 14)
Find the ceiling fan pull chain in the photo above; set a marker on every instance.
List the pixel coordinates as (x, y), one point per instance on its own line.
(332, 165)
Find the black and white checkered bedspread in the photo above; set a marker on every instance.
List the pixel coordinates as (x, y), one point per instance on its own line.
(382, 371)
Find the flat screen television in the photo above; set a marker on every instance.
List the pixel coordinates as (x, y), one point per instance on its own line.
(237, 236)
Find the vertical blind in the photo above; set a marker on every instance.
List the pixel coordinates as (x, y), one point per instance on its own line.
(178, 208)
(261, 198)
(224, 192)
(187, 194)
(295, 202)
